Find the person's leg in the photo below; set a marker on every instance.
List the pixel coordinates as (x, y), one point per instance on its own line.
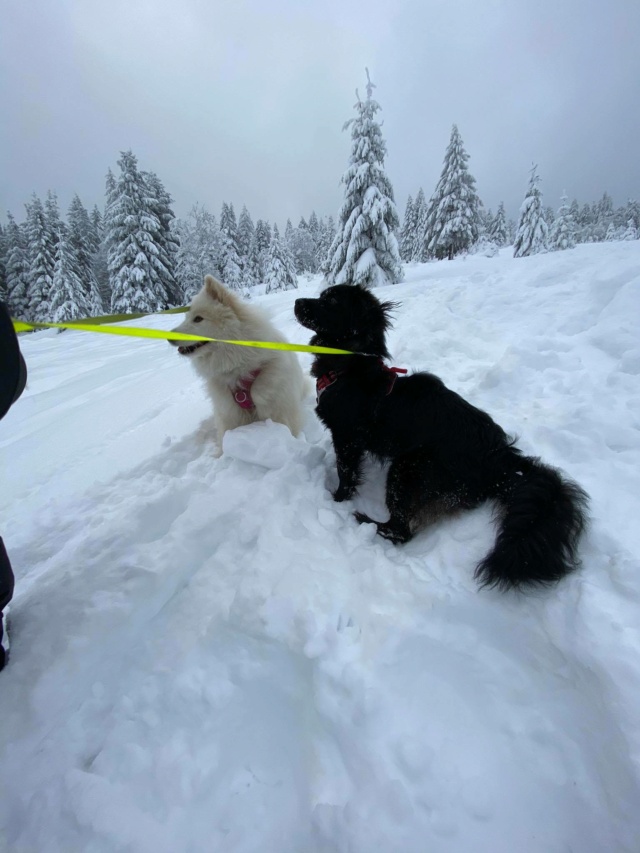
(6, 593)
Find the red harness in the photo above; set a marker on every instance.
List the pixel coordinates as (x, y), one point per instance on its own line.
(327, 379)
(242, 391)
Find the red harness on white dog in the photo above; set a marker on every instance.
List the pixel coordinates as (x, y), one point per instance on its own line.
(242, 391)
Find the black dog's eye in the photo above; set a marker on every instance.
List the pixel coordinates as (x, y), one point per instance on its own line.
(197, 319)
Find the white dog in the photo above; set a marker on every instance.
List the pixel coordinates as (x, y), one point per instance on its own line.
(245, 384)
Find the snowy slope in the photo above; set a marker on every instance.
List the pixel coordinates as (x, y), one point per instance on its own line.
(211, 655)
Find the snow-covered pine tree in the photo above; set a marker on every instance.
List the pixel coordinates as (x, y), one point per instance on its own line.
(632, 211)
(631, 232)
(419, 252)
(99, 256)
(53, 220)
(200, 250)
(41, 257)
(80, 253)
(314, 230)
(302, 250)
(325, 241)
(136, 272)
(531, 231)
(231, 263)
(246, 231)
(365, 250)
(259, 253)
(281, 273)
(165, 238)
(562, 233)
(453, 217)
(499, 232)
(17, 270)
(68, 294)
(407, 235)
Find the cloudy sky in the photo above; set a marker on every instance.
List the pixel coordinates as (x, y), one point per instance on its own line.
(244, 100)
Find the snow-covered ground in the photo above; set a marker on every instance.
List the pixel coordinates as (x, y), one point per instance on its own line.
(211, 655)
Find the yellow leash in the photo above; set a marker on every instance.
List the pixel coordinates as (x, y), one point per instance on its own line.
(132, 332)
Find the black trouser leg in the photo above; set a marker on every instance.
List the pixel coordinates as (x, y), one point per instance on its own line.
(6, 590)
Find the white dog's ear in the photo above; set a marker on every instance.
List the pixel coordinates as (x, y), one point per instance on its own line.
(216, 290)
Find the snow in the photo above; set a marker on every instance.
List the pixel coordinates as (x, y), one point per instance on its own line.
(210, 654)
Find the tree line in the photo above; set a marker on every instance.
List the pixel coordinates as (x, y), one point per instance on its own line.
(137, 257)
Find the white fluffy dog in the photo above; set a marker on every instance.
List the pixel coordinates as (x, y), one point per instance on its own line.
(245, 384)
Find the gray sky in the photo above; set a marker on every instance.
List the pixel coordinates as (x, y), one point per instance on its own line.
(244, 100)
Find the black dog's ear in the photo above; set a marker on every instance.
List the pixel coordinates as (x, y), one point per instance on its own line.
(387, 309)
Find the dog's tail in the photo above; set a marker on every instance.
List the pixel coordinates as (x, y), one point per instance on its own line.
(543, 515)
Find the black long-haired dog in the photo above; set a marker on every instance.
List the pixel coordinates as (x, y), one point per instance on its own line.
(445, 454)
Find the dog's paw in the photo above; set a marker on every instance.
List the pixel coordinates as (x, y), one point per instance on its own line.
(361, 518)
(343, 493)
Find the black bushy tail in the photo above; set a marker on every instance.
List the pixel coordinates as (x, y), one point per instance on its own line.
(543, 517)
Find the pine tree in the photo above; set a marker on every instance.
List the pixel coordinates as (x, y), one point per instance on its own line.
(499, 232)
(407, 235)
(246, 231)
(17, 270)
(325, 241)
(81, 239)
(136, 271)
(562, 233)
(200, 250)
(41, 257)
(453, 218)
(165, 239)
(68, 295)
(99, 261)
(631, 232)
(281, 273)
(231, 263)
(531, 231)
(259, 252)
(419, 251)
(365, 250)
(314, 231)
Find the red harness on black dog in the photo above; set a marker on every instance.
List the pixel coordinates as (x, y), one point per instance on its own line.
(327, 379)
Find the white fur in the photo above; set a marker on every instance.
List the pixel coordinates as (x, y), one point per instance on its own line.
(278, 391)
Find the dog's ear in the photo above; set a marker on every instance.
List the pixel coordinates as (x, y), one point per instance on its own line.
(216, 290)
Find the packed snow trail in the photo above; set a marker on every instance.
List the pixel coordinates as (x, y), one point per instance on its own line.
(210, 654)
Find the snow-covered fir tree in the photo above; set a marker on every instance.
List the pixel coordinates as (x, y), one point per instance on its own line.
(453, 218)
(166, 240)
(419, 250)
(200, 250)
(314, 231)
(281, 273)
(407, 235)
(99, 256)
(531, 231)
(80, 254)
(17, 269)
(499, 231)
(631, 232)
(246, 231)
(325, 241)
(562, 232)
(136, 272)
(259, 251)
(365, 250)
(68, 295)
(231, 262)
(41, 257)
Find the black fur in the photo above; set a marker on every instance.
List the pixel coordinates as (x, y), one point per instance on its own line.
(445, 454)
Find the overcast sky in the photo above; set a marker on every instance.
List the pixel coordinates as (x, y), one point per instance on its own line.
(244, 100)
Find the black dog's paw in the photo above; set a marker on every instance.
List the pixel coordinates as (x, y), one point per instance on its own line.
(396, 533)
(343, 493)
(361, 518)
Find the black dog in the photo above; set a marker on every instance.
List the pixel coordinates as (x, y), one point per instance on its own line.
(445, 454)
